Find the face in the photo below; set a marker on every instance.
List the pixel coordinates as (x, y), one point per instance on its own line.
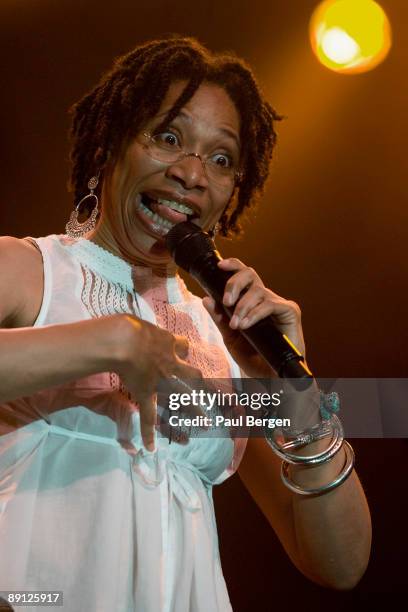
(209, 125)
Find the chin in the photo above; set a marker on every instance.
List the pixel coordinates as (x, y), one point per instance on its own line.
(148, 249)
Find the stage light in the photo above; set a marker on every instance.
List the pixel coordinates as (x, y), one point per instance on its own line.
(350, 36)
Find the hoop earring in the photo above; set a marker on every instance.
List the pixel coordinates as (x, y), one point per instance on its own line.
(75, 229)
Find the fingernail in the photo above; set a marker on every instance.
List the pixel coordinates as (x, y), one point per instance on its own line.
(228, 299)
(234, 321)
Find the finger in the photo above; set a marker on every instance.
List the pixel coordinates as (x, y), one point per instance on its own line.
(255, 314)
(186, 374)
(190, 379)
(182, 369)
(169, 392)
(173, 434)
(181, 346)
(148, 415)
(221, 320)
(251, 299)
(171, 385)
(231, 263)
(243, 279)
(283, 310)
(212, 306)
(208, 303)
(216, 311)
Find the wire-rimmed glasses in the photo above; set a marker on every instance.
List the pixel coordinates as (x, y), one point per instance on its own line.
(223, 174)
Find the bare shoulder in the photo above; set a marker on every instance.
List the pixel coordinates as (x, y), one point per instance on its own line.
(21, 282)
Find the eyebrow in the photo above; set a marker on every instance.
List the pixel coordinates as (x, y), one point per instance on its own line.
(224, 131)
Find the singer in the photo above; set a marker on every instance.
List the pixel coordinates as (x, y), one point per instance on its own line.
(94, 501)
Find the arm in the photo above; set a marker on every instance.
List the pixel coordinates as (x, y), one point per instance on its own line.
(327, 537)
(32, 359)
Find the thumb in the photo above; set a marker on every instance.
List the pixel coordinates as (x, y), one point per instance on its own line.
(208, 303)
(213, 309)
(148, 413)
(219, 317)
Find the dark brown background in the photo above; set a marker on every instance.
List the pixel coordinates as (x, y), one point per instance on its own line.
(330, 233)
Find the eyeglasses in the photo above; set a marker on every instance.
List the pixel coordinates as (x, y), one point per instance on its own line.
(220, 168)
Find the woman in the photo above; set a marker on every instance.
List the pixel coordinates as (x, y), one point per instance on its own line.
(95, 502)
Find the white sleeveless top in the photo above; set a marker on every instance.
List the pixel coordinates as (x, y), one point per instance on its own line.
(84, 508)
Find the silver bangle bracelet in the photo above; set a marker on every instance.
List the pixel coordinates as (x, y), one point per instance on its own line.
(322, 457)
(344, 474)
(316, 433)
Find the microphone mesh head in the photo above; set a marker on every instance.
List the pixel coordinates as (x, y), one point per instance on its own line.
(186, 242)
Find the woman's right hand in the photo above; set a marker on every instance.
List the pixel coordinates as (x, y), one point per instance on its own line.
(148, 354)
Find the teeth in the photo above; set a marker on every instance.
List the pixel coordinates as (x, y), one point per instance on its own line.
(176, 206)
(155, 217)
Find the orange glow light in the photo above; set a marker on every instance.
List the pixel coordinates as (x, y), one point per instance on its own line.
(350, 36)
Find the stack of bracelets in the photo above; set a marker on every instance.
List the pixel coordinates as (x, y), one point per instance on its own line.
(331, 428)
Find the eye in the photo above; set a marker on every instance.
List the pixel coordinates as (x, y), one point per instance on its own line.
(223, 160)
(168, 139)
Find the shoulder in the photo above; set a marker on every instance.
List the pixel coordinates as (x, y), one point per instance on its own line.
(21, 282)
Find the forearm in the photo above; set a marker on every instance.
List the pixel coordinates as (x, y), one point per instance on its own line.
(333, 529)
(32, 359)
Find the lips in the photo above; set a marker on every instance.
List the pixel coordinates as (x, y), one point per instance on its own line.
(159, 218)
(155, 195)
(168, 213)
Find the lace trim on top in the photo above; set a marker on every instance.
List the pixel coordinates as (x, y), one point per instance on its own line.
(118, 271)
(102, 298)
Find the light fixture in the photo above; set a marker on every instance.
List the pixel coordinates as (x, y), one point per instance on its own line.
(350, 36)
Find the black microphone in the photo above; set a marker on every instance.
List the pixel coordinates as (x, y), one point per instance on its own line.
(195, 252)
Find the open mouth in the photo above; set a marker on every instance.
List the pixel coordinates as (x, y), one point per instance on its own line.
(163, 213)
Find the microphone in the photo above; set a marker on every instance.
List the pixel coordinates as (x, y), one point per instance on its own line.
(195, 252)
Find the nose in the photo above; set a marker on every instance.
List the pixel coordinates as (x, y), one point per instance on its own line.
(189, 172)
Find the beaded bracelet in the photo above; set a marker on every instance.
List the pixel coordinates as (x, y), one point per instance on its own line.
(329, 403)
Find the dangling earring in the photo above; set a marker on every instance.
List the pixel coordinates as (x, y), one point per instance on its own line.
(73, 228)
(214, 230)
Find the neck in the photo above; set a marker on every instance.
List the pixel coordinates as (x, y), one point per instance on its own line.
(102, 237)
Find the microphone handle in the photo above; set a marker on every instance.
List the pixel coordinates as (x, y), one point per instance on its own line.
(264, 336)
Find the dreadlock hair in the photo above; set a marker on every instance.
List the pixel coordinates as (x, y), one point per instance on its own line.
(131, 93)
